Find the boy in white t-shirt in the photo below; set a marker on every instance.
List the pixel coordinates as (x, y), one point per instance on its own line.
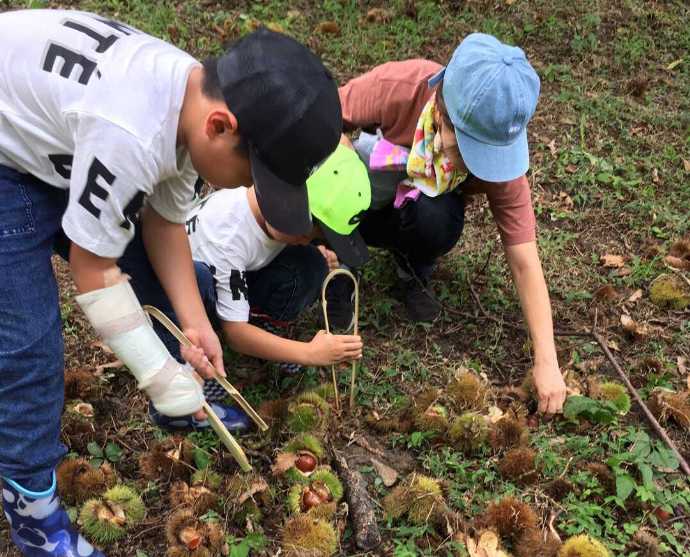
(254, 279)
(98, 120)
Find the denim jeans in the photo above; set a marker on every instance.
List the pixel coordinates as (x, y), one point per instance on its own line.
(420, 231)
(31, 346)
(281, 290)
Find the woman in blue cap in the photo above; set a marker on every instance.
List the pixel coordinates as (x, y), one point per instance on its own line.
(432, 135)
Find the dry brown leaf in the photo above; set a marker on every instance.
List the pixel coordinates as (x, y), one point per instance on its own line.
(612, 261)
(328, 27)
(633, 327)
(635, 296)
(571, 169)
(256, 487)
(495, 414)
(613, 345)
(682, 363)
(686, 165)
(110, 365)
(552, 147)
(486, 546)
(284, 461)
(677, 262)
(378, 15)
(655, 176)
(623, 271)
(388, 474)
(85, 409)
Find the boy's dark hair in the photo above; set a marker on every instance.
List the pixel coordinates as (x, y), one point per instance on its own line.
(441, 104)
(210, 87)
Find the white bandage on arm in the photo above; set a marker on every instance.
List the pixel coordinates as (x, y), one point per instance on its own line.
(117, 316)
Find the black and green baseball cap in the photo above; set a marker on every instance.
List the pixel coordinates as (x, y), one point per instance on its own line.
(339, 194)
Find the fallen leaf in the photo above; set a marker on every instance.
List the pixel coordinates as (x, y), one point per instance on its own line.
(633, 327)
(686, 165)
(378, 15)
(677, 262)
(623, 271)
(173, 33)
(655, 175)
(552, 146)
(256, 487)
(635, 296)
(85, 409)
(495, 414)
(328, 27)
(613, 345)
(674, 64)
(486, 546)
(275, 27)
(571, 169)
(682, 363)
(102, 367)
(612, 261)
(388, 474)
(284, 461)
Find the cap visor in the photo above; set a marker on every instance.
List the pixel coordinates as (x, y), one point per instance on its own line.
(284, 205)
(351, 250)
(434, 79)
(494, 163)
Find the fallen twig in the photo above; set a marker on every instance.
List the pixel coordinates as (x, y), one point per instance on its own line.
(367, 534)
(652, 420)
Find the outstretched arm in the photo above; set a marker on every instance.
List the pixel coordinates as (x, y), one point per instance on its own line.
(528, 276)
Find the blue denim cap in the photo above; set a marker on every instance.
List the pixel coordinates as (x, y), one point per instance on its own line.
(491, 92)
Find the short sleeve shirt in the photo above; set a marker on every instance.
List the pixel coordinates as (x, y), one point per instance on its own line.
(391, 97)
(91, 105)
(224, 234)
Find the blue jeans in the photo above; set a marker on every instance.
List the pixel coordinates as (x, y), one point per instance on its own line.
(281, 290)
(420, 231)
(31, 347)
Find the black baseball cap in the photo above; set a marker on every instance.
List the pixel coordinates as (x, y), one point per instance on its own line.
(287, 107)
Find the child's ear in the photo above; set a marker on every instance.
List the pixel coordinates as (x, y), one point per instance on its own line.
(219, 122)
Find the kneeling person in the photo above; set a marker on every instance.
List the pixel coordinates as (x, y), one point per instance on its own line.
(255, 280)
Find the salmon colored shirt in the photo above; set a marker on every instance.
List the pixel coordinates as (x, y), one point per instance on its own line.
(391, 97)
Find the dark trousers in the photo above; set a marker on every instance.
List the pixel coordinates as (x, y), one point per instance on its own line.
(419, 232)
(281, 290)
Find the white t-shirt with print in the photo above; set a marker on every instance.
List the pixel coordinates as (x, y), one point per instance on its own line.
(224, 234)
(91, 105)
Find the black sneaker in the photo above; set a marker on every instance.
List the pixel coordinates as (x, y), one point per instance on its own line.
(420, 302)
(340, 303)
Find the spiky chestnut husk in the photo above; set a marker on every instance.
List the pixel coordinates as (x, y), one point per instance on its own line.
(510, 518)
(305, 442)
(669, 291)
(426, 398)
(583, 546)
(603, 475)
(80, 384)
(78, 430)
(326, 391)
(302, 499)
(325, 475)
(645, 544)
(508, 433)
(78, 481)
(304, 535)
(169, 459)
(273, 411)
(559, 488)
(433, 418)
(667, 405)
(612, 392)
(533, 543)
(187, 536)
(307, 413)
(420, 497)
(236, 489)
(106, 520)
(198, 498)
(519, 466)
(207, 478)
(469, 433)
(323, 487)
(467, 391)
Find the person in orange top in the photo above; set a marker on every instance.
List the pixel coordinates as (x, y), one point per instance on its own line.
(465, 128)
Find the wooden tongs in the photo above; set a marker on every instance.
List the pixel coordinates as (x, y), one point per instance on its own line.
(225, 436)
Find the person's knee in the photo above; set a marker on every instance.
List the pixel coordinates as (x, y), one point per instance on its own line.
(205, 281)
(439, 222)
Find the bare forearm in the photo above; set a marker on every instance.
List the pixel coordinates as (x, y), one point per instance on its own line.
(168, 250)
(534, 299)
(89, 270)
(254, 341)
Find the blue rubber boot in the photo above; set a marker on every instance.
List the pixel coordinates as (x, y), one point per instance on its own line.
(234, 419)
(39, 526)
